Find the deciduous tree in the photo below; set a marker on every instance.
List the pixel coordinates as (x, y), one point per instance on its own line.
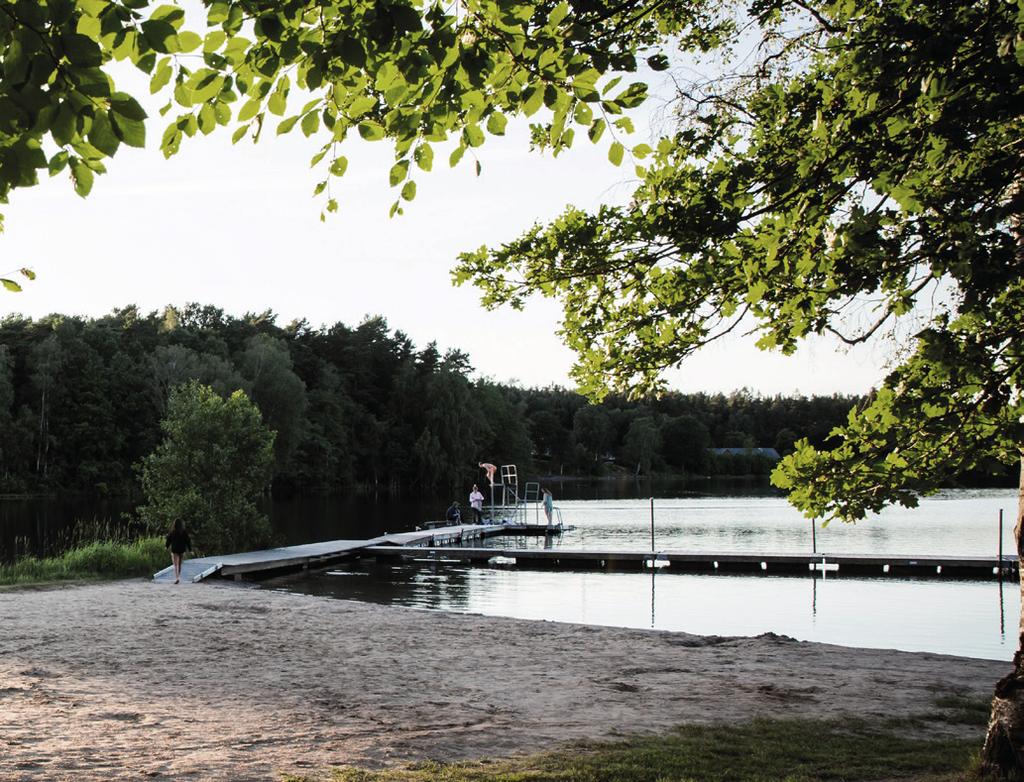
(210, 470)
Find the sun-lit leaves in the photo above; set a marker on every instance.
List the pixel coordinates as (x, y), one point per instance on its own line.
(844, 179)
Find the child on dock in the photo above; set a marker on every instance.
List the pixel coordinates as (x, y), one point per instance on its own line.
(549, 505)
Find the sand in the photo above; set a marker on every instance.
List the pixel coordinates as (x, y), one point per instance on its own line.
(134, 680)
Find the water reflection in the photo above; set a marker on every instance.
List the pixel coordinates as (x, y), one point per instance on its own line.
(950, 617)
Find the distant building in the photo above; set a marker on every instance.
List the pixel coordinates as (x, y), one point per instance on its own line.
(764, 453)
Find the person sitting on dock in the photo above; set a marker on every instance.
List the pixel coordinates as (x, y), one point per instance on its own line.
(476, 502)
(453, 514)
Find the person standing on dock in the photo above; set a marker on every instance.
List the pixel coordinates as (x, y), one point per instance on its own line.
(476, 502)
(453, 514)
(549, 505)
(178, 542)
(490, 469)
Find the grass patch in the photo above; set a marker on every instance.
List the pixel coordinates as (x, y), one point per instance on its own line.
(958, 710)
(756, 751)
(104, 559)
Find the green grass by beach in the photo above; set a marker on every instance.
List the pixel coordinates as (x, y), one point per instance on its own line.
(756, 751)
(99, 560)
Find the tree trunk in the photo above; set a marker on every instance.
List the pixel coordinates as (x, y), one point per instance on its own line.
(1003, 753)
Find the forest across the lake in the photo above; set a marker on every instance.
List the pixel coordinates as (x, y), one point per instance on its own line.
(360, 407)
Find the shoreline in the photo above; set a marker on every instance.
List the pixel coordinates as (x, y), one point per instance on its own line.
(132, 679)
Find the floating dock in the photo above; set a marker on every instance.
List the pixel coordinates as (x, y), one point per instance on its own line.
(715, 562)
(315, 555)
(461, 543)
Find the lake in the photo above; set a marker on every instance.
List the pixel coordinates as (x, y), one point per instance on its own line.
(977, 619)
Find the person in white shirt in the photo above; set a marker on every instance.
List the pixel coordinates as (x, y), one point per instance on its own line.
(476, 502)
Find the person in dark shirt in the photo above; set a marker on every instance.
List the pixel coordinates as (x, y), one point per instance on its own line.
(454, 514)
(178, 542)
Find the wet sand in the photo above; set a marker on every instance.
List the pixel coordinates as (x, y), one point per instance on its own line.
(133, 680)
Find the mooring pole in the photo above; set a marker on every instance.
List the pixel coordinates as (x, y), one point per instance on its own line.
(814, 537)
(1000, 544)
(652, 528)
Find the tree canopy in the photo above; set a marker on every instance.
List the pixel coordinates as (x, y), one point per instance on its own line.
(864, 169)
(414, 73)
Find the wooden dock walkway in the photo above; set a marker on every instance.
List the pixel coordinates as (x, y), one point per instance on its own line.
(313, 555)
(715, 562)
(449, 543)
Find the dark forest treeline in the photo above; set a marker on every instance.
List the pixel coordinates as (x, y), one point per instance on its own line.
(81, 400)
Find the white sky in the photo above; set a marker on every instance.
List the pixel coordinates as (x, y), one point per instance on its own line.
(237, 227)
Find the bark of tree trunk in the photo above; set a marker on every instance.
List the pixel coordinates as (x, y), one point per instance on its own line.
(1002, 755)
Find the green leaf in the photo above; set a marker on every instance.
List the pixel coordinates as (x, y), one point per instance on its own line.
(131, 132)
(249, 110)
(207, 119)
(162, 76)
(189, 41)
(496, 124)
(101, 135)
(10, 285)
(658, 62)
(80, 50)
(361, 105)
(214, 40)
(339, 165)
(424, 157)
(473, 135)
(371, 131)
(399, 171)
(277, 104)
(615, 152)
(310, 124)
(533, 99)
(126, 106)
(352, 52)
(287, 125)
(409, 190)
(82, 176)
(160, 35)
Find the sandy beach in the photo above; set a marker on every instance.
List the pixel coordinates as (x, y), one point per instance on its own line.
(134, 680)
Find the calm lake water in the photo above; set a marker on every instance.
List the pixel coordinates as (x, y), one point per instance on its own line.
(976, 619)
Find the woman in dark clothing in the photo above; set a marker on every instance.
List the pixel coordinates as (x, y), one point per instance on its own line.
(178, 542)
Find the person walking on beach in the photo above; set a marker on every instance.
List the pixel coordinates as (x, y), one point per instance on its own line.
(549, 505)
(178, 542)
(476, 502)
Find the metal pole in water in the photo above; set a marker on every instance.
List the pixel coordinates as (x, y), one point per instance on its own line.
(652, 529)
(1000, 544)
(814, 537)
